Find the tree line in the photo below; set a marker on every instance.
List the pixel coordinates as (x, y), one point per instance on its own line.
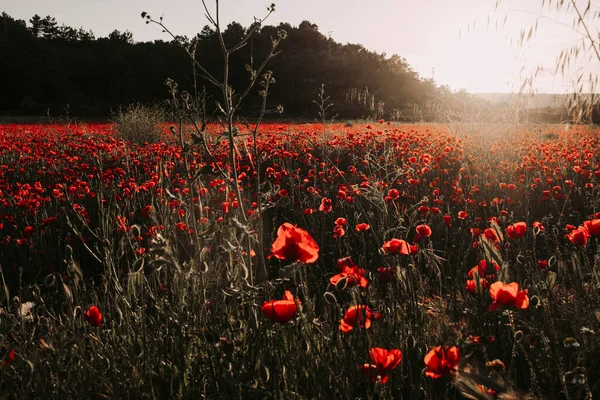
(49, 67)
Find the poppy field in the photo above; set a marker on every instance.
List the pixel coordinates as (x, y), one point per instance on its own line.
(375, 260)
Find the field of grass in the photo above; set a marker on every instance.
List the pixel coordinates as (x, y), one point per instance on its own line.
(367, 261)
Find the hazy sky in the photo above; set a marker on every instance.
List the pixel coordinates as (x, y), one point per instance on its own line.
(451, 36)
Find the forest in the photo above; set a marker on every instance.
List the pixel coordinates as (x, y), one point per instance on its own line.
(53, 68)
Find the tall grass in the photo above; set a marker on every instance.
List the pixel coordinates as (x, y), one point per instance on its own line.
(139, 123)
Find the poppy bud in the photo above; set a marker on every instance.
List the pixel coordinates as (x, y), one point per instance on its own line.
(135, 231)
(264, 374)
(519, 336)
(330, 298)
(68, 252)
(341, 284)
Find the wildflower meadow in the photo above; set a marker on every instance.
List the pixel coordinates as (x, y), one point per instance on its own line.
(373, 260)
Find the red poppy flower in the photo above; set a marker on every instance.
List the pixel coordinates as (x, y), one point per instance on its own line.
(396, 246)
(491, 235)
(294, 244)
(539, 226)
(579, 236)
(357, 316)
(442, 361)
(448, 220)
(10, 358)
(362, 227)
(338, 231)
(486, 340)
(281, 310)
(341, 221)
(462, 215)
(471, 285)
(28, 231)
(424, 230)
(49, 220)
(326, 205)
(508, 295)
(122, 225)
(383, 361)
(593, 227)
(225, 207)
(147, 211)
(517, 230)
(424, 210)
(350, 272)
(542, 264)
(484, 270)
(414, 249)
(392, 194)
(94, 316)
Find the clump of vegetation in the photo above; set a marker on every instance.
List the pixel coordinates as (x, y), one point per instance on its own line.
(139, 123)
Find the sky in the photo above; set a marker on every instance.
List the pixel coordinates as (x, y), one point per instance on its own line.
(449, 40)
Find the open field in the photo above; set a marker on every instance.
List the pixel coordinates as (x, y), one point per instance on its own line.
(367, 261)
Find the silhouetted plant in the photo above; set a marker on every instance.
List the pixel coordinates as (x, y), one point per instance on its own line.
(139, 123)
